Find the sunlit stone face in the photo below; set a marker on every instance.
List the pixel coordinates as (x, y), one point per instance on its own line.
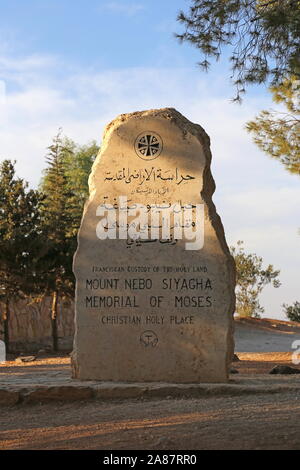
(155, 280)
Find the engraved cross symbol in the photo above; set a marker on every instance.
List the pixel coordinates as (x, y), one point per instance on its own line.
(148, 145)
(149, 338)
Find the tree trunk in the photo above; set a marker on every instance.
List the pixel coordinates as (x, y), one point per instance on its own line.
(54, 321)
(6, 326)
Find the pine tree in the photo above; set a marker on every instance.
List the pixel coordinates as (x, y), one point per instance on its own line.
(65, 190)
(261, 36)
(19, 239)
(292, 311)
(78, 164)
(251, 278)
(60, 225)
(278, 133)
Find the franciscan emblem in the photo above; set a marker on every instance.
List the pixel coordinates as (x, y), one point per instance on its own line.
(148, 339)
(148, 145)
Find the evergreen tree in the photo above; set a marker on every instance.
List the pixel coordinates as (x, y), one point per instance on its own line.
(292, 311)
(251, 280)
(262, 37)
(78, 164)
(65, 190)
(60, 224)
(278, 133)
(19, 239)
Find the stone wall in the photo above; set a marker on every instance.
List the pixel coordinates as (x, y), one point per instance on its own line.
(30, 325)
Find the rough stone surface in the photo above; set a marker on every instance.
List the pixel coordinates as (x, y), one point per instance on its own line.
(58, 393)
(26, 359)
(188, 338)
(62, 392)
(49, 380)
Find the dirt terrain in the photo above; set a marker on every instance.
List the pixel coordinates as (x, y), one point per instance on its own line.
(247, 421)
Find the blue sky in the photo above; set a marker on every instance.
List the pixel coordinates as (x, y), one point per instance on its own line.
(97, 33)
(78, 64)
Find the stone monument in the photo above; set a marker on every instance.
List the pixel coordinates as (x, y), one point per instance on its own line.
(154, 277)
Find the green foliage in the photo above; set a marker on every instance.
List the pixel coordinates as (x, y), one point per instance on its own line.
(19, 231)
(78, 163)
(263, 37)
(74, 166)
(58, 214)
(59, 224)
(19, 238)
(251, 280)
(65, 189)
(292, 311)
(277, 133)
(38, 229)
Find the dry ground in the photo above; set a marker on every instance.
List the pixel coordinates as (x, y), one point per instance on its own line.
(249, 422)
(264, 421)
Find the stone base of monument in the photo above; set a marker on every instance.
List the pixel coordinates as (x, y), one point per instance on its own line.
(70, 391)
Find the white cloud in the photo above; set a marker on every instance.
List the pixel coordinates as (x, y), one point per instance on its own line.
(29, 63)
(2, 95)
(265, 205)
